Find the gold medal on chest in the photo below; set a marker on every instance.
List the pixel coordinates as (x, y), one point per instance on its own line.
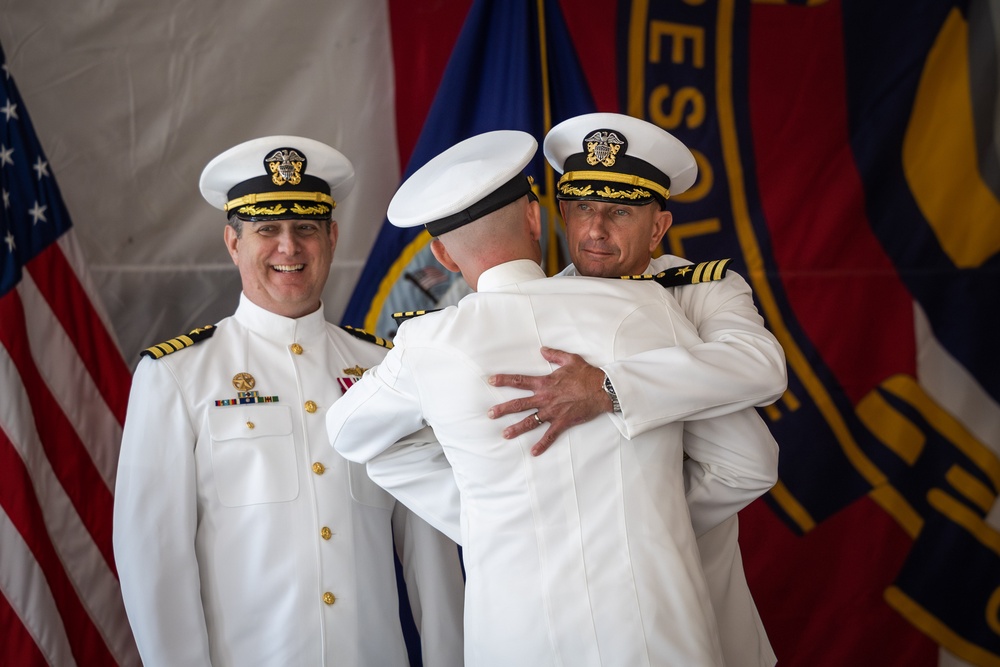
(243, 382)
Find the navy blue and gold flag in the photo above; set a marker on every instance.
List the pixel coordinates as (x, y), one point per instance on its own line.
(513, 68)
(848, 157)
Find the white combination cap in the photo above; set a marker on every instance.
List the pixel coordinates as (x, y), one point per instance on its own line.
(617, 158)
(471, 179)
(279, 177)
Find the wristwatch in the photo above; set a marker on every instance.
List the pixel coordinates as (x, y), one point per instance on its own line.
(610, 390)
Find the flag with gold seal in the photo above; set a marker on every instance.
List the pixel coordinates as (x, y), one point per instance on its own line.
(848, 164)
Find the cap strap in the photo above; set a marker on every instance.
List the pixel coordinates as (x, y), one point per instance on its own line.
(507, 193)
(614, 177)
(280, 196)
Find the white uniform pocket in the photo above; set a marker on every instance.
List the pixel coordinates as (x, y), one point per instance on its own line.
(253, 454)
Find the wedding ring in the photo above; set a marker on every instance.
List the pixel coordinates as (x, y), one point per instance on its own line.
(538, 419)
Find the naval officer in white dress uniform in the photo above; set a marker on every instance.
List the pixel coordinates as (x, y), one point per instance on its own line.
(241, 537)
(617, 174)
(583, 556)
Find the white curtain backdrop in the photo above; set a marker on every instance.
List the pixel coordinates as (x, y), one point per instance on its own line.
(131, 98)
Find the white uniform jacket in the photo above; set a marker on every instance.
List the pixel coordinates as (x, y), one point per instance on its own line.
(735, 341)
(584, 555)
(241, 537)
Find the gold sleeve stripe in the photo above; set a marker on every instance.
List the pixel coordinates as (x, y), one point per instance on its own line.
(366, 336)
(688, 274)
(153, 352)
(403, 316)
(160, 350)
(707, 271)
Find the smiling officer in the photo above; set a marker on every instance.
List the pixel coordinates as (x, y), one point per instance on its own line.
(241, 537)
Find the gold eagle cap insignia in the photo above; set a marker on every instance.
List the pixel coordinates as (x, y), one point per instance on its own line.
(286, 166)
(602, 147)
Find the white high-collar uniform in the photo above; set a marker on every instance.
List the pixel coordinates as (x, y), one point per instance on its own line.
(736, 346)
(584, 555)
(241, 537)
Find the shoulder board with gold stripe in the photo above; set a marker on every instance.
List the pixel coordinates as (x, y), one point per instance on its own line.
(364, 335)
(690, 274)
(184, 340)
(410, 314)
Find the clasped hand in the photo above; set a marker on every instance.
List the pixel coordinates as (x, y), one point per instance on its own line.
(571, 394)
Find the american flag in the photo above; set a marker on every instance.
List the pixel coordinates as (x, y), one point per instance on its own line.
(63, 392)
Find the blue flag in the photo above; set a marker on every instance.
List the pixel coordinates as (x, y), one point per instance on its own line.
(513, 67)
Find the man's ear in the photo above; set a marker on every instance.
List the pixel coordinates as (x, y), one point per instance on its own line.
(661, 223)
(441, 254)
(334, 233)
(534, 216)
(232, 240)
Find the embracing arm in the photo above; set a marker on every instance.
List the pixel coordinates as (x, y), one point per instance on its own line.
(739, 364)
(416, 472)
(375, 412)
(732, 461)
(379, 422)
(155, 521)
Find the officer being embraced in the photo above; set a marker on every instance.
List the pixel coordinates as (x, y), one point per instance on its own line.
(618, 174)
(241, 537)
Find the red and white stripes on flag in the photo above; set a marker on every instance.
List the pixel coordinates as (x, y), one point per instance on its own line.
(63, 392)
